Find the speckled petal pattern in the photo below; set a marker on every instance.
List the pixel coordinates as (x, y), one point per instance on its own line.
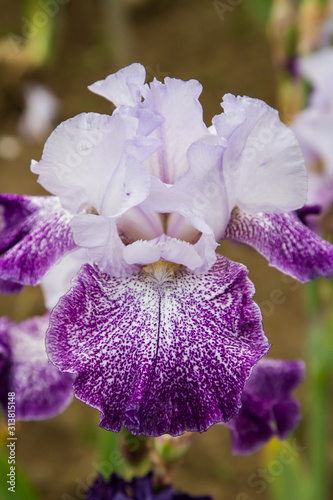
(161, 351)
(41, 390)
(285, 242)
(34, 234)
(267, 406)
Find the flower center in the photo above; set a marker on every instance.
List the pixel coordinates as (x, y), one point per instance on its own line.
(162, 270)
(91, 211)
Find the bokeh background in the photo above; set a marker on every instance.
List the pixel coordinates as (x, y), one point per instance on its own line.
(179, 38)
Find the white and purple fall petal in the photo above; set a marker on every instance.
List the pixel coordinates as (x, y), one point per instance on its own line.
(161, 351)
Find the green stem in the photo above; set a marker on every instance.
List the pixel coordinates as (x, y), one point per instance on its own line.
(319, 375)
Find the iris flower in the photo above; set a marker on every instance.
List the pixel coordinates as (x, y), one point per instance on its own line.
(314, 126)
(159, 330)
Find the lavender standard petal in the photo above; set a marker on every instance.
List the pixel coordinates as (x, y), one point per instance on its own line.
(35, 233)
(285, 242)
(161, 351)
(41, 390)
(263, 165)
(267, 406)
(177, 103)
(123, 88)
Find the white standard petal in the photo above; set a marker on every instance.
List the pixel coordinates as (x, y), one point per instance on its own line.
(123, 87)
(177, 102)
(85, 162)
(138, 223)
(99, 236)
(200, 195)
(263, 165)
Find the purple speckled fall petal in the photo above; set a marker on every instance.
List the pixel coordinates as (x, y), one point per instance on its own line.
(161, 351)
(267, 406)
(285, 242)
(35, 233)
(41, 390)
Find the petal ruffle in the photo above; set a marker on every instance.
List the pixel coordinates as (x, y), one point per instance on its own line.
(41, 390)
(285, 242)
(267, 406)
(88, 162)
(262, 164)
(99, 236)
(177, 102)
(123, 88)
(139, 488)
(35, 233)
(168, 249)
(162, 351)
(200, 194)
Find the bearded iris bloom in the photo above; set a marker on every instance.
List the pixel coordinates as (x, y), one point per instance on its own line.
(160, 331)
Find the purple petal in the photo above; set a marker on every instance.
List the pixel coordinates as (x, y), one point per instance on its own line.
(161, 351)
(140, 488)
(9, 287)
(41, 390)
(35, 234)
(4, 360)
(267, 407)
(308, 215)
(285, 242)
